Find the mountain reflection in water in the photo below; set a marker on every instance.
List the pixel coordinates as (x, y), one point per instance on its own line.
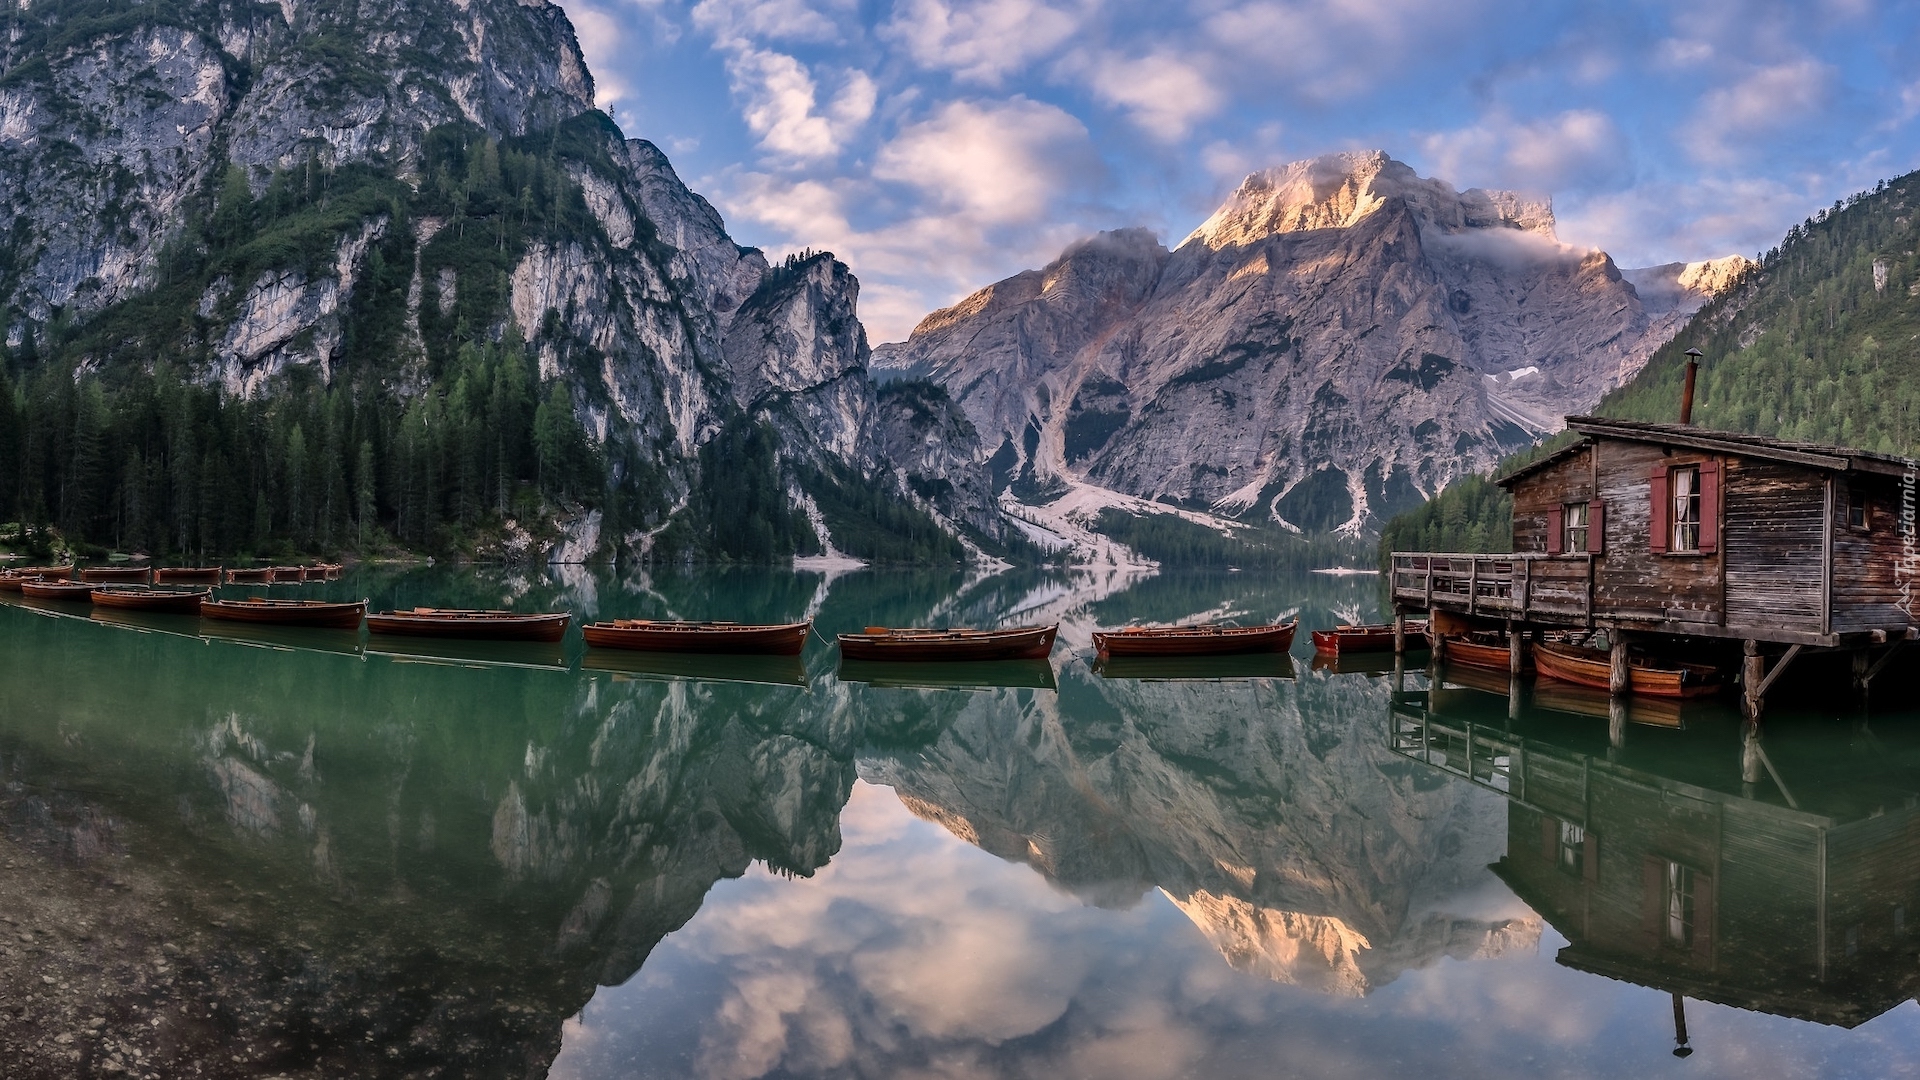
(301, 861)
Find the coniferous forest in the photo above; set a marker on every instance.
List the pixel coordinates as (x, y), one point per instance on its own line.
(107, 436)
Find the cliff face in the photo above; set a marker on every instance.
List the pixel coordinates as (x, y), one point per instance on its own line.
(1339, 339)
(411, 178)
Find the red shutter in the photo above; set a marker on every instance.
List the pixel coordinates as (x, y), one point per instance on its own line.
(1590, 860)
(1653, 899)
(1659, 527)
(1709, 506)
(1556, 531)
(1703, 918)
(1550, 839)
(1597, 527)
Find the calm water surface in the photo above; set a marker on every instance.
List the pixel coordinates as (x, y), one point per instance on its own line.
(319, 854)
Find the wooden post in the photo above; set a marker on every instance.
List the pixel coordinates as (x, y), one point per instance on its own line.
(1619, 675)
(1749, 752)
(1516, 652)
(1514, 689)
(1399, 631)
(1439, 641)
(1753, 672)
(1861, 681)
(1616, 724)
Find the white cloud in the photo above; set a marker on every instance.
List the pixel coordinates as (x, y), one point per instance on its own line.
(737, 23)
(1731, 119)
(782, 105)
(600, 42)
(981, 41)
(1164, 93)
(1577, 149)
(998, 163)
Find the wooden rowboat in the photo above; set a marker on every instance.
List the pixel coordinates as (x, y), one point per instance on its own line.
(138, 574)
(1483, 650)
(465, 623)
(1013, 643)
(1592, 667)
(45, 573)
(169, 601)
(320, 613)
(1373, 637)
(321, 571)
(187, 575)
(1228, 667)
(783, 639)
(252, 575)
(57, 590)
(287, 573)
(968, 675)
(1201, 640)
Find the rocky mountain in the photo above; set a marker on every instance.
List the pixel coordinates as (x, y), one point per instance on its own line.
(258, 198)
(1271, 814)
(1336, 342)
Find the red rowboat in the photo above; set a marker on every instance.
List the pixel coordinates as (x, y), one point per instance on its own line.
(1202, 640)
(140, 574)
(253, 575)
(57, 590)
(187, 575)
(169, 601)
(1483, 650)
(1592, 667)
(463, 623)
(45, 573)
(1014, 643)
(784, 639)
(1374, 637)
(321, 571)
(333, 616)
(287, 573)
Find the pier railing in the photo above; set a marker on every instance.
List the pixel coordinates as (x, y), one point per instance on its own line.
(1555, 587)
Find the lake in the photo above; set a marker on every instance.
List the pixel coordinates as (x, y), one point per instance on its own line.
(322, 855)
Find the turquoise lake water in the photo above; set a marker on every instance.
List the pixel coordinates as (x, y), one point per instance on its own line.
(526, 861)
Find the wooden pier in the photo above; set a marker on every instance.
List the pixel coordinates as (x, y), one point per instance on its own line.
(1668, 536)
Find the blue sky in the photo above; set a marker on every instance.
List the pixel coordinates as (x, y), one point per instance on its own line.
(939, 145)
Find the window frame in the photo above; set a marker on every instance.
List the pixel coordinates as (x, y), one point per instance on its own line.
(1568, 529)
(1678, 918)
(1684, 511)
(1571, 856)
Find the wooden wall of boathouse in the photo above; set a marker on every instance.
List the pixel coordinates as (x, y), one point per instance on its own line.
(1775, 539)
(1866, 584)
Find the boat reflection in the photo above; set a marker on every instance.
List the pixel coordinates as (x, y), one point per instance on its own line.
(151, 622)
(285, 638)
(950, 675)
(1365, 663)
(1676, 862)
(475, 654)
(698, 667)
(1197, 668)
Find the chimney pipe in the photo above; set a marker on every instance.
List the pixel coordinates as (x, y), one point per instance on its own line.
(1686, 396)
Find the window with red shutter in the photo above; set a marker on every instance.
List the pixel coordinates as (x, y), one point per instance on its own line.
(1597, 527)
(1556, 531)
(1709, 507)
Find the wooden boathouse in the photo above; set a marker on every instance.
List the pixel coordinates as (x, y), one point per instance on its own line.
(1665, 534)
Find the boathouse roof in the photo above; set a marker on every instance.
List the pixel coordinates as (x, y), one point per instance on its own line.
(1812, 455)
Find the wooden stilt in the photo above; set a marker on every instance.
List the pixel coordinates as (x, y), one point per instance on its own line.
(1616, 723)
(1619, 675)
(1399, 632)
(1516, 653)
(1753, 678)
(1862, 663)
(1514, 689)
(1749, 753)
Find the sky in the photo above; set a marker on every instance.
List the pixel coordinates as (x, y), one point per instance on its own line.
(937, 146)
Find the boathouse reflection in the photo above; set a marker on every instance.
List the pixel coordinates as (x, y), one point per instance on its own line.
(1662, 867)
